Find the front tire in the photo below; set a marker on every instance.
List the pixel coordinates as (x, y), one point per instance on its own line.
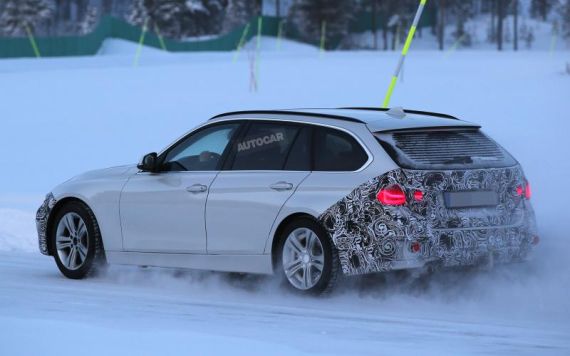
(308, 260)
(76, 241)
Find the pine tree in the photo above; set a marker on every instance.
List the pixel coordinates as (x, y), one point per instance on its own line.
(441, 24)
(463, 11)
(238, 13)
(107, 7)
(178, 18)
(516, 25)
(138, 14)
(19, 16)
(564, 10)
(541, 8)
(89, 21)
(308, 16)
(501, 14)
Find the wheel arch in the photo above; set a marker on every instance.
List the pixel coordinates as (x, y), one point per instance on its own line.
(53, 213)
(281, 227)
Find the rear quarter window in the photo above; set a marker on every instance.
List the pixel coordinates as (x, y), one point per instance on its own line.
(336, 151)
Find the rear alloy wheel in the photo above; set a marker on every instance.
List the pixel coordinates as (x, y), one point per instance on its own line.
(76, 241)
(309, 262)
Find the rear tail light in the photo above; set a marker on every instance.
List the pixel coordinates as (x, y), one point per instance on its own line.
(418, 195)
(524, 190)
(527, 191)
(392, 195)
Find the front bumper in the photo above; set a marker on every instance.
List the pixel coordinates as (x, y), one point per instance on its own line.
(42, 218)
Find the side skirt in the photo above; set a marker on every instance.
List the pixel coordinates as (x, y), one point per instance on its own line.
(257, 264)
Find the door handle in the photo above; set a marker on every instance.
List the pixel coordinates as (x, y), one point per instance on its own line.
(196, 188)
(281, 186)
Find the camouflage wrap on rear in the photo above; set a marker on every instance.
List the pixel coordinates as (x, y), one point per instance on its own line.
(371, 237)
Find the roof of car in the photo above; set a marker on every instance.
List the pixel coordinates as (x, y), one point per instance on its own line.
(376, 119)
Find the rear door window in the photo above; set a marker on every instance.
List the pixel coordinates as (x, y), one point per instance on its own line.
(299, 158)
(265, 146)
(335, 151)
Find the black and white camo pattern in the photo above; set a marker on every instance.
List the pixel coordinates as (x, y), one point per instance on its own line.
(42, 217)
(371, 237)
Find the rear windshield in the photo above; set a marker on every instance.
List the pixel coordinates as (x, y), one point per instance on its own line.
(444, 149)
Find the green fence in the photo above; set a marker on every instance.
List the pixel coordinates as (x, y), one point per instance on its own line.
(110, 27)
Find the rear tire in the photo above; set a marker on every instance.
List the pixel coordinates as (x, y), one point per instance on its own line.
(76, 241)
(307, 260)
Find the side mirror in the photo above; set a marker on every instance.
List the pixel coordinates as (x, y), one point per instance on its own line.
(149, 163)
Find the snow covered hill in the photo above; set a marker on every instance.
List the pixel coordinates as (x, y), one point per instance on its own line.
(60, 117)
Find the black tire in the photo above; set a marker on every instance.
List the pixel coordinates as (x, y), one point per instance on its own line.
(95, 256)
(331, 267)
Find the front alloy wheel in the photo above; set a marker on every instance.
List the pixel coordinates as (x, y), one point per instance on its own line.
(76, 241)
(72, 241)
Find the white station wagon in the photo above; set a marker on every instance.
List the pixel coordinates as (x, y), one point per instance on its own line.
(306, 194)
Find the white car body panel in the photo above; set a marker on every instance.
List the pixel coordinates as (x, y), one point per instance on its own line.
(134, 209)
(258, 264)
(242, 207)
(100, 190)
(320, 190)
(159, 214)
(151, 219)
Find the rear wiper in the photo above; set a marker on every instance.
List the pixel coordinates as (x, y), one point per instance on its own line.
(459, 159)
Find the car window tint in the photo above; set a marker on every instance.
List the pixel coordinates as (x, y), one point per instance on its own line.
(337, 151)
(299, 158)
(201, 151)
(265, 146)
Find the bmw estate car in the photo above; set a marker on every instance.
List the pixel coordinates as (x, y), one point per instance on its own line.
(308, 195)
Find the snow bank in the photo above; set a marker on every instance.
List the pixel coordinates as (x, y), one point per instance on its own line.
(117, 46)
(17, 231)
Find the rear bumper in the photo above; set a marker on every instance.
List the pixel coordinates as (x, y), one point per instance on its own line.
(471, 247)
(451, 249)
(455, 248)
(371, 237)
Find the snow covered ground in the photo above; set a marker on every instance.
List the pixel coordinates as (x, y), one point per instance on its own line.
(60, 117)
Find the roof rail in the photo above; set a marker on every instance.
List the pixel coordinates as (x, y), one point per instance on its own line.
(288, 112)
(418, 112)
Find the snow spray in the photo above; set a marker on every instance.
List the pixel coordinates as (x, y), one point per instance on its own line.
(404, 53)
